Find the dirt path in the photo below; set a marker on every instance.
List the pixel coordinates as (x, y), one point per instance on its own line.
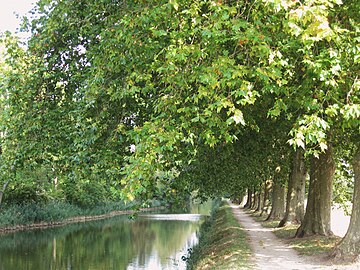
(272, 253)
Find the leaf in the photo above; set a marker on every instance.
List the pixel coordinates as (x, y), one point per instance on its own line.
(296, 30)
(323, 146)
(238, 117)
(332, 110)
(299, 142)
(175, 4)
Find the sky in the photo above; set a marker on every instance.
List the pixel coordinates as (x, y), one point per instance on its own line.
(8, 20)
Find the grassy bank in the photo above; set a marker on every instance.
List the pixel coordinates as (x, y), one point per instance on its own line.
(27, 216)
(222, 243)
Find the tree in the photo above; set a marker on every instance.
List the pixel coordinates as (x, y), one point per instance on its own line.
(318, 208)
(296, 190)
(52, 114)
(349, 245)
(318, 89)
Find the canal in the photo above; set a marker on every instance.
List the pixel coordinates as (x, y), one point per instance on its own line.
(152, 241)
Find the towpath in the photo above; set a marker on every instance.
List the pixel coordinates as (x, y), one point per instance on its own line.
(271, 253)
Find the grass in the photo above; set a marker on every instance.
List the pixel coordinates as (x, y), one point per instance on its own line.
(307, 246)
(315, 245)
(223, 243)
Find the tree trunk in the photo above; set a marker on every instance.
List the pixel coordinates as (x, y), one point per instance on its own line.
(249, 198)
(259, 201)
(349, 247)
(255, 200)
(318, 209)
(267, 188)
(3, 190)
(296, 191)
(241, 199)
(278, 201)
(238, 199)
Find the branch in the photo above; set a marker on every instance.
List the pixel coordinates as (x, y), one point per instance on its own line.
(351, 91)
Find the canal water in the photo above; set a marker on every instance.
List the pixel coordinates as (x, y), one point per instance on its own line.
(152, 241)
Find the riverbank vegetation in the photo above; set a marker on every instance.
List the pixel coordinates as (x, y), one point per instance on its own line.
(222, 243)
(31, 199)
(12, 216)
(142, 100)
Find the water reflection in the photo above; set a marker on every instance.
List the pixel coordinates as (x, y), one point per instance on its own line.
(178, 217)
(152, 241)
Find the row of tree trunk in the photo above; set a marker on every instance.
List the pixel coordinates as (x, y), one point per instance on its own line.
(316, 219)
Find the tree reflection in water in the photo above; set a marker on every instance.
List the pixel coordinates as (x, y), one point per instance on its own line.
(117, 243)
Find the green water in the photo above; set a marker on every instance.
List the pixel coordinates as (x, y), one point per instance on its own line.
(152, 241)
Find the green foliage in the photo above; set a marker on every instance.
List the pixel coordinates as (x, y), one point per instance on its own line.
(215, 89)
(29, 185)
(84, 194)
(24, 193)
(343, 189)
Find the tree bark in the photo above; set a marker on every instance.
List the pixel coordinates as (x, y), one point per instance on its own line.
(249, 198)
(267, 188)
(255, 200)
(259, 200)
(318, 210)
(278, 201)
(3, 190)
(349, 247)
(295, 198)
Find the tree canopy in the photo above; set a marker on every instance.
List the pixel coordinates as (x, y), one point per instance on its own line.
(173, 77)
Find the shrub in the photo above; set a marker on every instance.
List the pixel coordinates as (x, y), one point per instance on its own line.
(23, 193)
